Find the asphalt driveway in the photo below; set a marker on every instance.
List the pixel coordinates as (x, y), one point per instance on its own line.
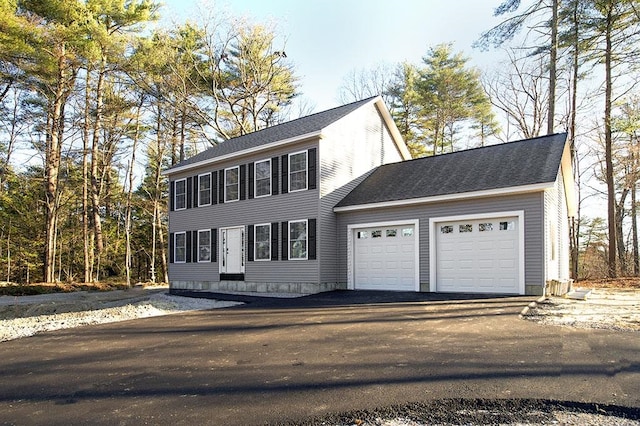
(288, 359)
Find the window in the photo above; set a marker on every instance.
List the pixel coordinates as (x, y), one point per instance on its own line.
(204, 246)
(298, 239)
(180, 247)
(507, 226)
(362, 235)
(392, 232)
(407, 232)
(484, 227)
(181, 194)
(298, 171)
(263, 242)
(204, 190)
(232, 184)
(263, 178)
(467, 227)
(376, 234)
(446, 229)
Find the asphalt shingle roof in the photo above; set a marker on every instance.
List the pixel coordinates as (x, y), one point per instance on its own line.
(290, 129)
(526, 162)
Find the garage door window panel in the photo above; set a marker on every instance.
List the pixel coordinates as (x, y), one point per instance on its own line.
(485, 227)
(467, 227)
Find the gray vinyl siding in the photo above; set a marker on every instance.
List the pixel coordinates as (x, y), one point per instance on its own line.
(274, 208)
(351, 149)
(532, 204)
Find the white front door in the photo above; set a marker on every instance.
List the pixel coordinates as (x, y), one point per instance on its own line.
(232, 250)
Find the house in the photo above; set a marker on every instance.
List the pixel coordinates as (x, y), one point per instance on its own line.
(334, 201)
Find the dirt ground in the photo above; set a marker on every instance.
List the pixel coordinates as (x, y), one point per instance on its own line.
(608, 304)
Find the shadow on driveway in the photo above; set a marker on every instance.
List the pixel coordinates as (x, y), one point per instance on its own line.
(276, 360)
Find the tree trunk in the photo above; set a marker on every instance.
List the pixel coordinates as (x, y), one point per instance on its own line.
(553, 59)
(127, 226)
(634, 225)
(575, 222)
(95, 159)
(88, 247)
(611, 202)
(621, 248)
(52, 168)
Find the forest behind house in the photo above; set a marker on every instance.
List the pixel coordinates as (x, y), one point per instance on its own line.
(97, 99)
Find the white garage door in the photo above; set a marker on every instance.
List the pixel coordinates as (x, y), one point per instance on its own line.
(385, 258)
(478, 256)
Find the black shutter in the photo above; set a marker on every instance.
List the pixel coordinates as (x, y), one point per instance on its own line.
(285, 173)
(221, 187)
(250, 243)
(194, 243)
(274, 241)
(312, 167)
(171, 246)
(312, 240)
(172, 195)
(243, 182)
(285, 241)
(251, 180)
(214, 188)
(214, 244)
(196, 190)
(189, 192)
(274, 176)
(188, 246)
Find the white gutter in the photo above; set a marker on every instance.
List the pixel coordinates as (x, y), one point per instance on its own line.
(449, 197)
(300, 138)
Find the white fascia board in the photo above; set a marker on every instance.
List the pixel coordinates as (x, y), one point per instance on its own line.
(301, 138)
(393, 129)
(449, 197)
(569, 182)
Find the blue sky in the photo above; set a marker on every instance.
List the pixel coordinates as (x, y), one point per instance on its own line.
(325, 40)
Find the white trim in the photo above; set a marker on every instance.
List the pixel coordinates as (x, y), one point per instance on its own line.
(225, 184)
(306, 170)
(175, 247)
(300, 138)
(210, 192)
(393, 129)
(255, 179)
(175, 194)
(433, 222)
(255, 242)
(512, 190)
(306, 233)
(568, 181)
(198, 244)
(351, 283)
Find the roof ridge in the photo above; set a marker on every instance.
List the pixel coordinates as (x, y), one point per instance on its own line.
(304, 117)
(484, 147)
